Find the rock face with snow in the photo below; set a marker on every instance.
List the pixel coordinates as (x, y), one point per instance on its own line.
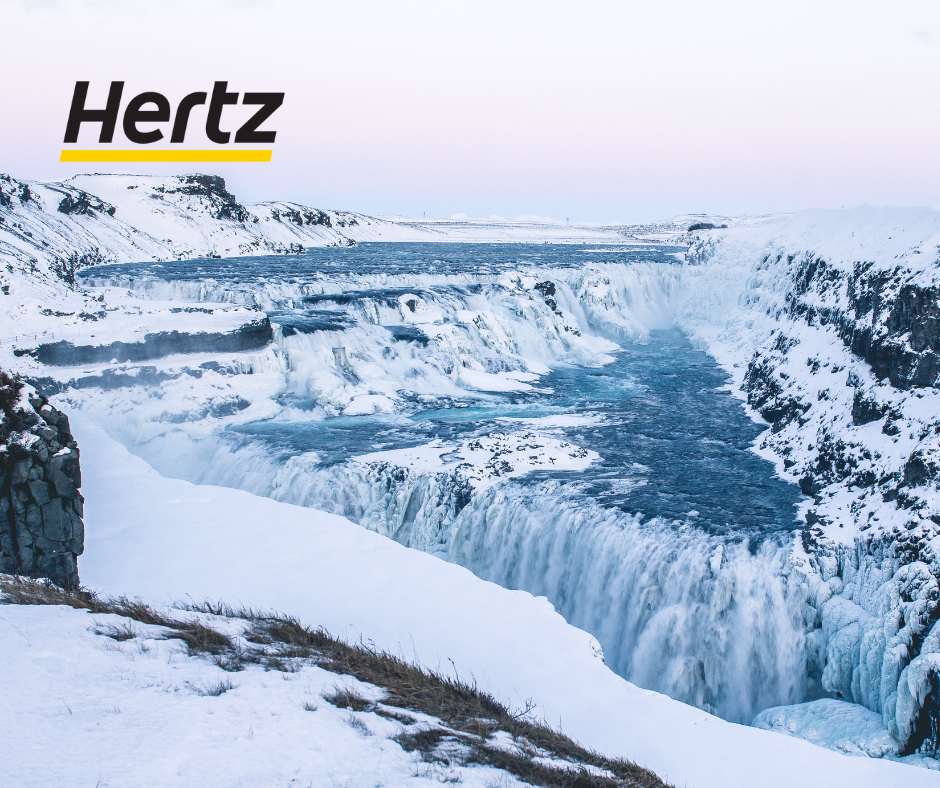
(837, 328)
(895, 326)
(41, 529)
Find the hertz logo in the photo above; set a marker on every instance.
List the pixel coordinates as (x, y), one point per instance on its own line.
(150, 108)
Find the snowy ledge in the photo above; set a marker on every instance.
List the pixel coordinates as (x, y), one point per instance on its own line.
(251, 335)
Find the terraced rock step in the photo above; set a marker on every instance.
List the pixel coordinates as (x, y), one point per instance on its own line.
(250, 336)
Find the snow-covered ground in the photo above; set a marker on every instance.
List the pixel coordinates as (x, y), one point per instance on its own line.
(142, 712)
(122, 713)
(822, 320)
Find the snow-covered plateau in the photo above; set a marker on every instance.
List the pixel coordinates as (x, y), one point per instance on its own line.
(715, 450)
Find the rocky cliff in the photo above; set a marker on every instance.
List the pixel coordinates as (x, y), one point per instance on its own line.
(885, 316)
(41, 529)
(835, 337)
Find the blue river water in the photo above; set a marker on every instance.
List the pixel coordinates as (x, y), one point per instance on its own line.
(391, 259)
(672, 441)
(673, 444)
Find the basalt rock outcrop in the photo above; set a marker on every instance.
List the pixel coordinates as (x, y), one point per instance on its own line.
(885, 317)
(220, 201)
(41, 528)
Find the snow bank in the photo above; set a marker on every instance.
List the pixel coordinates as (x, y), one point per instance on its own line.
(834, 724)
(142, 712)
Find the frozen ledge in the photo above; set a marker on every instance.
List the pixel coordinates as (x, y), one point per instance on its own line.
(250, 336)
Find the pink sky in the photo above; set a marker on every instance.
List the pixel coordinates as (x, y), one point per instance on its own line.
(603, 111)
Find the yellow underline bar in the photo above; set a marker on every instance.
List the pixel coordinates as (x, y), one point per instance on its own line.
(144, 154)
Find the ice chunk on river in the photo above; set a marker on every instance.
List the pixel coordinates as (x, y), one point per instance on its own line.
(833, 724)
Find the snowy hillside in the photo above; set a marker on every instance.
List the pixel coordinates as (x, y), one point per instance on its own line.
(118, 218)
(188, 695)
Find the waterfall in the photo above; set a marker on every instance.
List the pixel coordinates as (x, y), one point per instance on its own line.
(711, 622)
(717, 621)
(714, 621)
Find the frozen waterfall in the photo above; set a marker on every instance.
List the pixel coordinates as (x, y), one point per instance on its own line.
(706, 609)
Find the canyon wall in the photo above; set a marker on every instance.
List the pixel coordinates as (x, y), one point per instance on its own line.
(834, 339)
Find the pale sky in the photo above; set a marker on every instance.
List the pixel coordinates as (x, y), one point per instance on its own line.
(597, 111)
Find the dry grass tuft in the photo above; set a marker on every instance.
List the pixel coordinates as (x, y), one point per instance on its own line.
(349, 699)
(124, 632)
(214, 690)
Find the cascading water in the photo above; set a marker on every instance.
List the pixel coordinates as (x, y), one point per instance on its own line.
(464, 394)
(676, 610)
